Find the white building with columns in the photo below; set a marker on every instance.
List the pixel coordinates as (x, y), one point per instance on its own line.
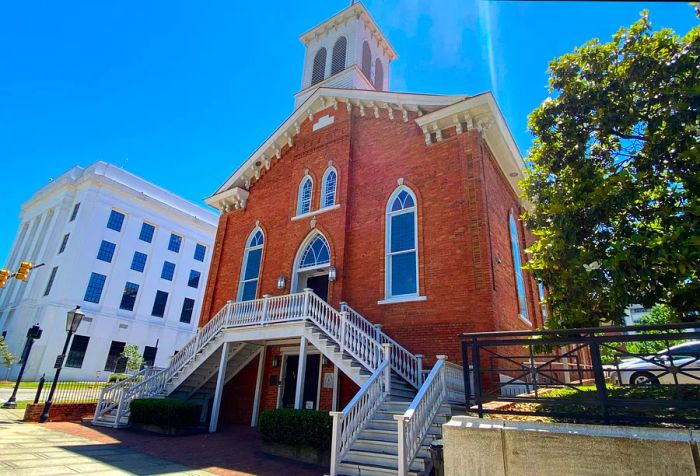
(134, 256)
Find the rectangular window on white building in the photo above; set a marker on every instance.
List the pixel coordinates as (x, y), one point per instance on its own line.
(138, 262)
(93, 293)
(76, 207)
(115, 221)
(149, 356)
(159, 304)
(106, 251)
(193, 282)
(64, 243)
(49, 284)
(168, 271)
(187, 310)
(147, 231)
(131, 290)
(174, 243)
(115, 363)
(200, 252)
(76, 354)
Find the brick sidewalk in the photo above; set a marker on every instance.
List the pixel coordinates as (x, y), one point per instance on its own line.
(235, 451)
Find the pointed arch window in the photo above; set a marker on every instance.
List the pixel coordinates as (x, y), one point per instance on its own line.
(330, 179)
(518, 266)
(378, 75)
(367, 61)
(401, 244)
(306, 188)
(319, 70)
(250, 273)
(338, 59)
(316, 254)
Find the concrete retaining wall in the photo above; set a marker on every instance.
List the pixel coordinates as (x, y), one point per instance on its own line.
(507, 448)
(60, 411)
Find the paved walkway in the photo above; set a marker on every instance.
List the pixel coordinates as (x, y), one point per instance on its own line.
(69, 448)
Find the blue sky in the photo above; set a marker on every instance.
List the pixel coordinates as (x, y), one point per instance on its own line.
(180, 93)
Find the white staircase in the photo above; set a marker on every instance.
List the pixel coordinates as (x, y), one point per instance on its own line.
(383, 430)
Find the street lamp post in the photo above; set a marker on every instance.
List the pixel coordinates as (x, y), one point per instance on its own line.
(72, 322)
(33, 333)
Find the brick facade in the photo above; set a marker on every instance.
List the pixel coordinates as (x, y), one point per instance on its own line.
(466, 269)
(60, 411)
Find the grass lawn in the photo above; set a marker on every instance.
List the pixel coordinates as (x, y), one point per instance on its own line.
(11, 384)
(568, 400)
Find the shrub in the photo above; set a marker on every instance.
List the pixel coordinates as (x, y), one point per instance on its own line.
(114, 378)
(165, 413)
(296, 427)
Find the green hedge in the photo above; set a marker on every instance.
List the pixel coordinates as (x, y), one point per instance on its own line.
(114, 378)
(296, 427)
(165, 413)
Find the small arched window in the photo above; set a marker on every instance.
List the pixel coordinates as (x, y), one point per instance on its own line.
(330, 179)
(319, 70)
(518, 266)
(338, 59)
(378, 75)
(367, 61)
(305, 191)
(401, 244)
(250, 272)
(317, 253)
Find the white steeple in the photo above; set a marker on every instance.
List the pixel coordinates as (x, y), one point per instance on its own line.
(347, 51)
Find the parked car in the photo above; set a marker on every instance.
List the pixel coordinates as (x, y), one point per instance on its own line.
(683, 360)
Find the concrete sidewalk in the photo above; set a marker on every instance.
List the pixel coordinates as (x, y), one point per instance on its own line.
(33, 449)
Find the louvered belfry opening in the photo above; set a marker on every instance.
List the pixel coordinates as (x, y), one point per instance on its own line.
(338, 60)
(319, 71)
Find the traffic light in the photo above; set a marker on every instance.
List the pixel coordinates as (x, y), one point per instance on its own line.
(23, 271)
(4, 274)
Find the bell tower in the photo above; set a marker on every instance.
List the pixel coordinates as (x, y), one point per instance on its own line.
(347, 51)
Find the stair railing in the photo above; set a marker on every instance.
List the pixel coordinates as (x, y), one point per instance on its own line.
(110, 396)
(349, 423)
(415, 423)
(403, 362)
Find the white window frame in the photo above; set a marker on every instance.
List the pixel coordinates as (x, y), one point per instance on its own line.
(520, 294)
(246, 255)
(324, 187)
(389, 297)
(300, 203)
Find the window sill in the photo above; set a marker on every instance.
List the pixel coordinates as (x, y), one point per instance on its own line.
(316, 212)
(525, 320)
(400, 299)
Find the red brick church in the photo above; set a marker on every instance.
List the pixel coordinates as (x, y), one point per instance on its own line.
(354, 245)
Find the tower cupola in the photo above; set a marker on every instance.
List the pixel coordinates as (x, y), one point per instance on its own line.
(347, 51)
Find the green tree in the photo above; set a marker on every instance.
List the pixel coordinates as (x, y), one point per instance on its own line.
(7, 358)
(134, 361)
(614, 180)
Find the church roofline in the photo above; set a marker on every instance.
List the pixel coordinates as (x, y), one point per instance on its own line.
(436, 112)
(341, 17)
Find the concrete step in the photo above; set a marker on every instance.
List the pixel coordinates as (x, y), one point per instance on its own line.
(379, 424)
(373, 463)
(385, 447)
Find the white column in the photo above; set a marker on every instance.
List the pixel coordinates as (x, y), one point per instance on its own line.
(219, 388)
(301, 373)
(334, 405)
(258, 387)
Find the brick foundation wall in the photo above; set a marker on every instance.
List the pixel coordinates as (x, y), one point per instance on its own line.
(60, 411)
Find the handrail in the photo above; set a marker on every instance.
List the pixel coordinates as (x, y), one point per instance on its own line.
(348, 423)
(110, 396)
(415, 423)
(403, 362)
(454, 378)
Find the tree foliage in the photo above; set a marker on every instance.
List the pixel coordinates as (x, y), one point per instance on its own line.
(134, 361)
(615, 177)
(7, 358)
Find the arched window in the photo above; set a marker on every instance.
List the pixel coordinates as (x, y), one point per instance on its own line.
(252, 257)
(518, 266)
(401, 244)
(378, 75)
(367, 61)
(338, 60)
(319, 70)
(304, 201)
(330, 179)
(316, 254)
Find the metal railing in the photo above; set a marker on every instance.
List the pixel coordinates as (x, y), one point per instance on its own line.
(348, 423)
(69, 391)
(608, 374)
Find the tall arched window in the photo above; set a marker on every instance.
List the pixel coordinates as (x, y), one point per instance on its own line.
(316, 254)
(250, 272)
(401, 244)
(338, 59)
(378, 75)
(518, 266)
(305, 191)
(330, 179)
(319, 70)
(367, 61)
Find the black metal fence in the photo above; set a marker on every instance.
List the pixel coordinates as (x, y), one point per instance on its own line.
(71, 392)
(609, 374)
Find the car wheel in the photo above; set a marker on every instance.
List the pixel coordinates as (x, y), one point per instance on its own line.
(643, 378)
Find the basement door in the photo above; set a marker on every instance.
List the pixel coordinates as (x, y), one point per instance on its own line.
(310, 396)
